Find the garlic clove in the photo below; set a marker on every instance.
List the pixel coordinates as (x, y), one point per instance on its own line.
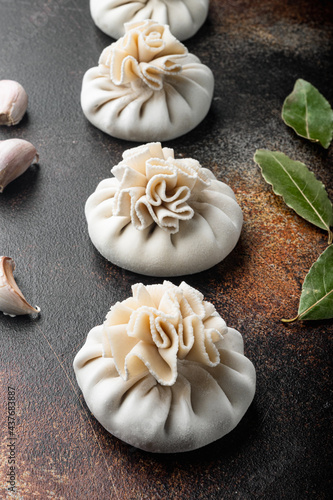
(12, 301)
(13, 102)
(16, 155)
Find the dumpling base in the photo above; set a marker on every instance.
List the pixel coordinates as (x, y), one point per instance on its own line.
(141, 114)
(184, 17)
(201, 242)
(202, 406)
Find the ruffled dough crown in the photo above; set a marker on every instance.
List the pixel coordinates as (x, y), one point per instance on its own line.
(160, 325)
(155, 188)
(144, 55)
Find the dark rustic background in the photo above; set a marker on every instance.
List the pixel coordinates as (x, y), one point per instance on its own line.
(282, 448)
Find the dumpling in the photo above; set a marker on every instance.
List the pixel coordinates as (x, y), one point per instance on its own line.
(147, 87)
(163, 372)
(184, 17)
(161, 216)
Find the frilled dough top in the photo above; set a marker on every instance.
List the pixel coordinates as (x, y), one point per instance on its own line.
(160, 324)
(155, 188)
(144, 54)
(184, 17)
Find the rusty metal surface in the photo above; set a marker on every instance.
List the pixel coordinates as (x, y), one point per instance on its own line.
(283, 446)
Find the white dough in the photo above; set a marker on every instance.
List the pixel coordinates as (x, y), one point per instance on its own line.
(164, 373)
(147, 87)
(161, 216)
(184, 17)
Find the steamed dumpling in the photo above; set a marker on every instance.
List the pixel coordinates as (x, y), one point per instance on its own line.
(147, 87)
(162, 216)
(163, 372)
(184, 17)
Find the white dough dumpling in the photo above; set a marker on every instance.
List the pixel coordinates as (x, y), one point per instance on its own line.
(161, 216)
(147, 87)
(184, 17)
(163, 372)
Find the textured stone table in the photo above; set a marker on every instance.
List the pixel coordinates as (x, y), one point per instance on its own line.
(282, 449)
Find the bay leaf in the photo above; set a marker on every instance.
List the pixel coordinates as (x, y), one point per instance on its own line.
(316, 300)
(298, 186)
(308, 112)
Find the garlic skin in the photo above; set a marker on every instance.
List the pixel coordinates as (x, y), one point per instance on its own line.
(12, 301)
(13, 102)
(16, 155)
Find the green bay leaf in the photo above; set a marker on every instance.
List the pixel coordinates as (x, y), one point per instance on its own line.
(298, 186)
(308, 112)
(316, 300)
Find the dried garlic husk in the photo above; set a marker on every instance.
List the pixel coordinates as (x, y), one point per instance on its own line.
(13, 102)
(12, 301)
(16, 155)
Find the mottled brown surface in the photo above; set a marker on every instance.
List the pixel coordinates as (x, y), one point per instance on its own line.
(282, 449)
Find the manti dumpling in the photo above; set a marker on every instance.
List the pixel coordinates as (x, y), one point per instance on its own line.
(161, 216)
(163, 372)
(147, 87)
(184, 17)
